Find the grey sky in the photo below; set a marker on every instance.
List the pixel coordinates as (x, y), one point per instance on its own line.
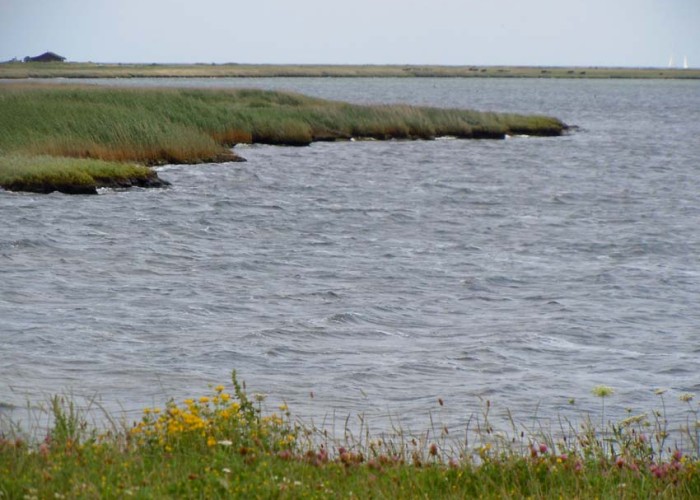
(481, 32)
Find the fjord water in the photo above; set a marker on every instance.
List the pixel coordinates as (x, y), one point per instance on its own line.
(380, 276)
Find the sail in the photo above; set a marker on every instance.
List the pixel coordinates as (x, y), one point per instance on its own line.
(685, 62)
(670, 62)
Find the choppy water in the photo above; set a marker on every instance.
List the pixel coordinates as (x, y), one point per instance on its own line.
(381, 275)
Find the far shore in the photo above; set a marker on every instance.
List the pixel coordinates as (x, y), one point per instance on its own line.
(19, 70)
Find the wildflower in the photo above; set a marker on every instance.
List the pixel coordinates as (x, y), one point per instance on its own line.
(602, 391)
(283, 407)
(211, 441)
(635, 419)
(225, 397)
(659, 392)
(219, 388)
(204, 400)
(543, 448)
(225, 442)
(687, 397)
(226, 470)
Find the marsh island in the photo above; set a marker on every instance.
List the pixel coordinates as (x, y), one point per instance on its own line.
(77, 138)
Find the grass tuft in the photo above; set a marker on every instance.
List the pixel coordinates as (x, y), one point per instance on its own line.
(45, 174)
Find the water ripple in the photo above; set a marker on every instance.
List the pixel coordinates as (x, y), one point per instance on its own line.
(379, 276)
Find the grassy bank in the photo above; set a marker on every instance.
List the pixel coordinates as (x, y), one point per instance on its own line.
(93, 70)
(45, 174)
(224, 445)
(157, 126)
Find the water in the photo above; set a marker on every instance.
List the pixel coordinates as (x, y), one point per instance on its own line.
(381, 276)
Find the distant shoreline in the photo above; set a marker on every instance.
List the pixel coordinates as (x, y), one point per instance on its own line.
(21, 70)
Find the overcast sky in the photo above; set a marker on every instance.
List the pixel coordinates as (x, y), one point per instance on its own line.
(453, 32)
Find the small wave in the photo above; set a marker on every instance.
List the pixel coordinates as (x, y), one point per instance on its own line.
(346, 318)
(21, 244)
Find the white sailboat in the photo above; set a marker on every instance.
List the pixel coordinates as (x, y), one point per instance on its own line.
(685, 62)
(670, 62)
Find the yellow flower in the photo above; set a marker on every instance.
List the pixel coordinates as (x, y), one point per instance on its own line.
(283, 407)
(225, 397)
(219, 388)
(211, 441)
(204, 400)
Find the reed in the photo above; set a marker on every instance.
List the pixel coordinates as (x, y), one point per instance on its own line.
(157, 126)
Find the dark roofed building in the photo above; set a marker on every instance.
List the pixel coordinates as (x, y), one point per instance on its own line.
(45, 57)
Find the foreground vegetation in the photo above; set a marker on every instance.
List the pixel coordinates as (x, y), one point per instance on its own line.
(43, 127)
(95, 70)
(224, 445)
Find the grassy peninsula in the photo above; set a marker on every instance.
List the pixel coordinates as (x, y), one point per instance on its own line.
(226, 445)
(112, 70)
(74, 139)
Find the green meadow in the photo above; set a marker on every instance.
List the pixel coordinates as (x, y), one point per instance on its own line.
(77, 138)
(227, 444)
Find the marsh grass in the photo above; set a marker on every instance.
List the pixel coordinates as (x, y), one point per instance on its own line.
(226, 444)
(44, 174)
(157, 126)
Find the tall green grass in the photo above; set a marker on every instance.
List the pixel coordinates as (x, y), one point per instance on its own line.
(156, 126)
